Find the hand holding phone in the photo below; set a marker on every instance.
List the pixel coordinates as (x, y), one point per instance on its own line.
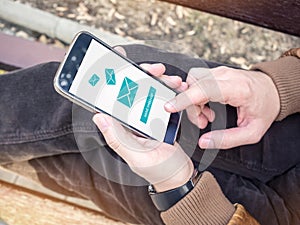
(162, 165)
(100, 79)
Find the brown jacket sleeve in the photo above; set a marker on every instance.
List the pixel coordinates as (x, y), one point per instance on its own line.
(241, 216)
(285, 72)
(206, 204)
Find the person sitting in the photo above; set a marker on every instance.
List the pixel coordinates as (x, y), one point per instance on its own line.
(259, 171)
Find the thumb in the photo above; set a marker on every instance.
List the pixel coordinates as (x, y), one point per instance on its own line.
(121, 140)
(228, 138)
(106, 126)
(101, 121)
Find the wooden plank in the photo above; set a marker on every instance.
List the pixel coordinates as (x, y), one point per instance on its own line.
(18, 206)
(277, 15)
(20, 53)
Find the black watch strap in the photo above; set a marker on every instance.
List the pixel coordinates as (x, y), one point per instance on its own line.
(165, 200)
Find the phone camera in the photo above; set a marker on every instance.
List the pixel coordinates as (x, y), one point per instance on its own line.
(74, 58)
(83, 50)
(64, 83)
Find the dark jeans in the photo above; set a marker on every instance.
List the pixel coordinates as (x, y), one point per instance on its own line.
(36, 125)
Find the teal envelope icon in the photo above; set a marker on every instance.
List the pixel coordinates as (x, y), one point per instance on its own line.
(127, 92)
(110, 77)
(94, 80)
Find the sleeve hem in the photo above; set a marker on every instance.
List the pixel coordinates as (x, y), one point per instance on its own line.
(285, 73)
(205, 204)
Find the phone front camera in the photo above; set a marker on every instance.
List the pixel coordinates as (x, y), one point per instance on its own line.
(64, 83)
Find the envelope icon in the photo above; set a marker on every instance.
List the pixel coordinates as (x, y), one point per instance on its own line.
(94, 79)
(110, 77)
(127, 92)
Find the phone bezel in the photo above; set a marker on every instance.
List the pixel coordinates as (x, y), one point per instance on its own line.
(175, 118)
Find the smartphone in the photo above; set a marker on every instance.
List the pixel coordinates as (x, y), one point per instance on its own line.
(98, 78)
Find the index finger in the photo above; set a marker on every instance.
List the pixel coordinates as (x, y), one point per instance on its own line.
(201, 93)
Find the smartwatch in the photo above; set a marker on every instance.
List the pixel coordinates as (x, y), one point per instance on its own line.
(165, 200)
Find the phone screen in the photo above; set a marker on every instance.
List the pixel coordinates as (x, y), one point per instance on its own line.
(115, 86)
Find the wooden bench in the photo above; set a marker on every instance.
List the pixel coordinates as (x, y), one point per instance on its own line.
(276, 15)
(32, 53)
(20, 206)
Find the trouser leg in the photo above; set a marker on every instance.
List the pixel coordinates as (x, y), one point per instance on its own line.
(34, 120)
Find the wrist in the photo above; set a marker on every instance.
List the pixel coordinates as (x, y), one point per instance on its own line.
(179, 179)
(273, 94)
(167, 199)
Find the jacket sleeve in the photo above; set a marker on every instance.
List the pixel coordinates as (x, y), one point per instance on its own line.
(241, 216)
(206, 204)
(285, 72)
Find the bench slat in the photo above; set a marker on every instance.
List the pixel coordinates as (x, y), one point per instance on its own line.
(20, 53)
(277, 15)
(20, 206)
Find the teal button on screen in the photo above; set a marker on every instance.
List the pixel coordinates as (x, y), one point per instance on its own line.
(148, 105)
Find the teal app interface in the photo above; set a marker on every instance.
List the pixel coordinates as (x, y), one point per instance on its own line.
(120, 89)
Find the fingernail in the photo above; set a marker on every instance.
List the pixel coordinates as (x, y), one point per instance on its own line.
(145, 66)
(120, 50)
(175, 78)
(205, 143)
(158, 64)
(182, 87)
(170, 105)
(101, 122)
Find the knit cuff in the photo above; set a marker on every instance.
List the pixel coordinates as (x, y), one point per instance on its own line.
(205, 204)
(285, 73)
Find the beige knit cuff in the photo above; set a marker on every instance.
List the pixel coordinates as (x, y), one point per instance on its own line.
(285, 72)
(205, 204)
